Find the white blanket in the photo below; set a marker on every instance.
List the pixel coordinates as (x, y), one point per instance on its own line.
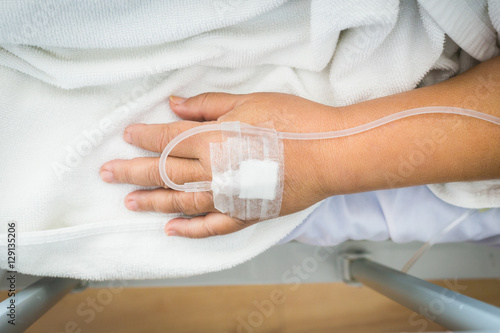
(74, 74)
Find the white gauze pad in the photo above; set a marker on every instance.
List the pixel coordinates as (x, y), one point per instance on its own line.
(247, 172)
(258, 179)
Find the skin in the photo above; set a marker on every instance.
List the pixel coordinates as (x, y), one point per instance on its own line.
(424, 149)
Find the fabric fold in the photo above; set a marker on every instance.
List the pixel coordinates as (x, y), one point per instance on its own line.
(74, 74)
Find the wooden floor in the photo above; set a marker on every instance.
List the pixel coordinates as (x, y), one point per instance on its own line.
(276, 308)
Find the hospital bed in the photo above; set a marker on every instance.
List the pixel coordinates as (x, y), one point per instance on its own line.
(373, 264)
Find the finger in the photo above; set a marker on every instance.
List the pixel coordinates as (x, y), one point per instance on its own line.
(212, 224)
(144, 171)
(207, 106)
(170, 201)
(155, 137)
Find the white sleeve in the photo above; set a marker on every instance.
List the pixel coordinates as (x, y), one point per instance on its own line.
(403, 215)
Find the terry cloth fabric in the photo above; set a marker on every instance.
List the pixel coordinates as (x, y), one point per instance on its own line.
(474, 27)
(74, 74)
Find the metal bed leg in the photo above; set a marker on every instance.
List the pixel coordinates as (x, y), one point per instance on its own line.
(33, 301)
(455, 311)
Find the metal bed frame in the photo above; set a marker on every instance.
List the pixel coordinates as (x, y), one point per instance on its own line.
(370, 264)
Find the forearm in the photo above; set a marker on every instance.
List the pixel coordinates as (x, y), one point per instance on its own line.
(423, 149)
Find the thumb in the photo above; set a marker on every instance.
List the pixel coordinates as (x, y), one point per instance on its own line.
(205, 107)
(212, 224)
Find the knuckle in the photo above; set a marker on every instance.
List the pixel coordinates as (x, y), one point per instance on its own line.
(187, 173)
(210, 230)
(153, 175)
(172, 132)
(161, 139)
(192, 206)
(179, 204)
(191, 233)
(205, 99)
(154, 205)
(127, 175)
(202, 202)
(167, 134)
(192, 203)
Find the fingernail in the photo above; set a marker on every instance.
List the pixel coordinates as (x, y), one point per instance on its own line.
(127, 137)
(171, 233)
(132, 205)
(177, 100)
(107, 176)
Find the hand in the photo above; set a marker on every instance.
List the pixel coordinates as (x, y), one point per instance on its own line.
(190, 161)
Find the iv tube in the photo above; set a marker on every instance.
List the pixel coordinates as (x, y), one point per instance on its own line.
(206, 185)
(389, 119)
(435, 238)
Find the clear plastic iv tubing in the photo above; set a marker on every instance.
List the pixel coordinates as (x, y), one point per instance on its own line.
(436, 238)
(206, 185)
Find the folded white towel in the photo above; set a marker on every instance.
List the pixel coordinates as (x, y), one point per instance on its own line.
(74, 74)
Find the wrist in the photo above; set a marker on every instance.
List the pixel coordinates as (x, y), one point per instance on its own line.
(331, 159)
